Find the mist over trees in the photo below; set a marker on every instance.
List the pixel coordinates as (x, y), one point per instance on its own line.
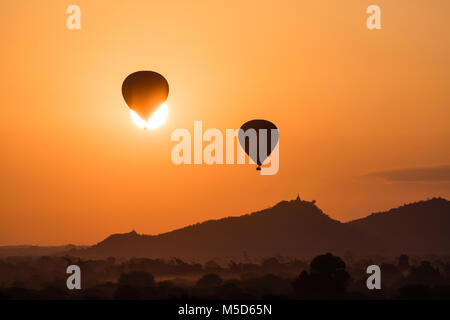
(325, 277)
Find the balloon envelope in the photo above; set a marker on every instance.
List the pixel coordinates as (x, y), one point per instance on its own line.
(266, 134)
(144, 92)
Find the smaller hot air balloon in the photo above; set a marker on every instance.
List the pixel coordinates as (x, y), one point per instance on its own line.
(258, 138)
(144, 92)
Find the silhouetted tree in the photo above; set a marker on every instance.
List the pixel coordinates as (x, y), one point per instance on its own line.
(209, 280)
(403, 262)
(211, 265)
(327, 279)
(425, 274)
(136, 279)
(271, 264)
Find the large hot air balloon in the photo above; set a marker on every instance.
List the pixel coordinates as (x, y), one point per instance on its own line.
(144, 92)
(266, 139)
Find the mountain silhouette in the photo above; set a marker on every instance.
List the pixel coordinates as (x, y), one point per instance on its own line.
(417, 228)
(290, 228)
(293, 228)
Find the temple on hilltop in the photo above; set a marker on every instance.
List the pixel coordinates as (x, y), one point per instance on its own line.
(298, 200)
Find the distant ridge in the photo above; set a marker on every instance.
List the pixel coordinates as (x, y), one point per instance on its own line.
(294, 228)
(35, 251)
(417, 228)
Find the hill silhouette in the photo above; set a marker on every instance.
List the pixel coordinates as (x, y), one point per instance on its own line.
(290, 228)
(416, 228)
(293, 228)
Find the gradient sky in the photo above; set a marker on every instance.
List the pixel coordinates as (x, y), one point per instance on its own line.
(350, 104)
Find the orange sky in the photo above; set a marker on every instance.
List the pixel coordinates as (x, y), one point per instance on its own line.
(348, 102)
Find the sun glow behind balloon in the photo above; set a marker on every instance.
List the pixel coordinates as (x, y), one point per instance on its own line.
(156, 120)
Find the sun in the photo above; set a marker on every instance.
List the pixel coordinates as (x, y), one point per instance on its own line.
(156, 120)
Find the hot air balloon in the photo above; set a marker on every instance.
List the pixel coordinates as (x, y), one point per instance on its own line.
(266, 134)
(144, 92)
